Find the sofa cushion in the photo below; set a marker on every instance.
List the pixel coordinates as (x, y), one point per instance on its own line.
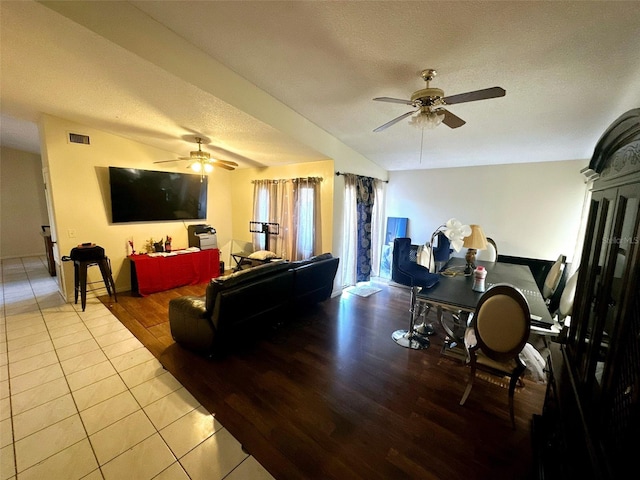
(307, 261)
(314, 281)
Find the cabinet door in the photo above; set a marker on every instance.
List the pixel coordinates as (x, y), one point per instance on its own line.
(622, 245)
(588, 308)
(615, 372)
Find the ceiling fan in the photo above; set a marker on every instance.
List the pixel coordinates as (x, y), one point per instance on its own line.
(201, 162)
(430, 103)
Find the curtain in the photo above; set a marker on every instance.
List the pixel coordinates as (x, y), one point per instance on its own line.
(295, 205)
(267, 196)
(360, 220)
(350, 231)
(307, 240)
(377, 227)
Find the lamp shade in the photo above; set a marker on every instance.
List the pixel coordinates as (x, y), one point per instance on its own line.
(477, 239)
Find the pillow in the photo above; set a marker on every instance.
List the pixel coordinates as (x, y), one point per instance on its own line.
(262, 255)
(535, 364)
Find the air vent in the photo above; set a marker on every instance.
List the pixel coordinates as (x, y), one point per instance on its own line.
(77, 138)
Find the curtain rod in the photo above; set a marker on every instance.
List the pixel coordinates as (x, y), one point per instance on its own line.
(320, 179)
(342, 173)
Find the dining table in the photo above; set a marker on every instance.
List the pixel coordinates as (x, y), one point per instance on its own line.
(455, 300)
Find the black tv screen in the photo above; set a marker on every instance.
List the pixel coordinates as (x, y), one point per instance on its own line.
(149, 195)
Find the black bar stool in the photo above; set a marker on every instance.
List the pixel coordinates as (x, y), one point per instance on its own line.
(84, 257)
(406, 271)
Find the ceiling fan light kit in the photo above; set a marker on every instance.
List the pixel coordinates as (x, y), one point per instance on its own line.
(201, 161)
(430, 102)
(426, 119)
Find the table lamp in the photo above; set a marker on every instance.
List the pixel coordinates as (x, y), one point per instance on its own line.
(474, 242)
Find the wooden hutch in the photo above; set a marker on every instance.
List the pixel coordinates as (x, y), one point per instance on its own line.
(590, 426)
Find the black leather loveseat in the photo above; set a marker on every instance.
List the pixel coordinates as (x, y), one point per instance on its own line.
(243, 302)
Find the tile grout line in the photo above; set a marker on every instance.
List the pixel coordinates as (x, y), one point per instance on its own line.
(73, 399)
(77, 411)
(42, 305)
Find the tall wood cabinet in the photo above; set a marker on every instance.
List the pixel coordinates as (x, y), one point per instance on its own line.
(590, 427)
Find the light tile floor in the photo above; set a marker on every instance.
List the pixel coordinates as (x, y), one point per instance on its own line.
(81, 397)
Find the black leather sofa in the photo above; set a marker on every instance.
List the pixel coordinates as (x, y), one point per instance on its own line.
(246, 301)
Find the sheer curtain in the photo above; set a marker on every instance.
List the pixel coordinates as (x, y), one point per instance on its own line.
(377, 227)
(307, 239)
(362, 228)
(295, 205)
(350, 231)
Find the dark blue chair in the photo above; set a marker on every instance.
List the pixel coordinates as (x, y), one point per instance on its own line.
(406, 271)
(441, 251)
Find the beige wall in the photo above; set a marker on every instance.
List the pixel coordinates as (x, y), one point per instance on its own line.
(80, 196)
(23, 208)
(79, 181)
(531, 210)
(242, 198)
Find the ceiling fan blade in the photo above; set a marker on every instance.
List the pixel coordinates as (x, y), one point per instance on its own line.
(492, 92)
(169, 161)
(393, 100)
(451, 120)
(394, 121)
(222, 165)
(225, 162)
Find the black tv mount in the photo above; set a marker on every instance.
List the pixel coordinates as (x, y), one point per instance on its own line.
(266, 228)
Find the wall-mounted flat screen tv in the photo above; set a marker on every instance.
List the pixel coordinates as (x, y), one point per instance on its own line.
(151, 196)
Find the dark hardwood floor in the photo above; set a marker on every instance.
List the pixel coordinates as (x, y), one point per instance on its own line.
(329, 395)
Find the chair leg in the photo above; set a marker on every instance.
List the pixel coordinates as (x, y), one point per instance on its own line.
(409, 338)
(105, 269)
(515, 377)
(472, 376)
(76, 282)
(82, 278)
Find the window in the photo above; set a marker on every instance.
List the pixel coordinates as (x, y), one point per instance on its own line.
(294, 204)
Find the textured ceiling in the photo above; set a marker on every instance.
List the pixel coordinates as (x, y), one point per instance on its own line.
(569, 69)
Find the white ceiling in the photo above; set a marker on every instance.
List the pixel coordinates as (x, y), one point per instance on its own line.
(569, 69)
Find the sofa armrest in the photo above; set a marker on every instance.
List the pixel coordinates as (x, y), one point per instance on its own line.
(190, 324)
(314, 281)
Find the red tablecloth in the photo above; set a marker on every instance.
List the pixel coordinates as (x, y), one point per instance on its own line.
(155, 274)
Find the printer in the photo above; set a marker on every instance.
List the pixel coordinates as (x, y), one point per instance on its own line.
(202, 236)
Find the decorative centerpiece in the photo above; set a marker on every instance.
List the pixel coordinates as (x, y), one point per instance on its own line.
(149, 246)
(455, 232)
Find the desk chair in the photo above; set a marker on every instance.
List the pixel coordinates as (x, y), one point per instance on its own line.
(406, 271)
(498, 334)
(84, 257)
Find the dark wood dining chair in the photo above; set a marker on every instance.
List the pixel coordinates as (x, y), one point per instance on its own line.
(498, 334)
(489, 254)
(552, 281)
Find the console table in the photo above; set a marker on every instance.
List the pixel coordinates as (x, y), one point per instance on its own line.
(150, 274)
